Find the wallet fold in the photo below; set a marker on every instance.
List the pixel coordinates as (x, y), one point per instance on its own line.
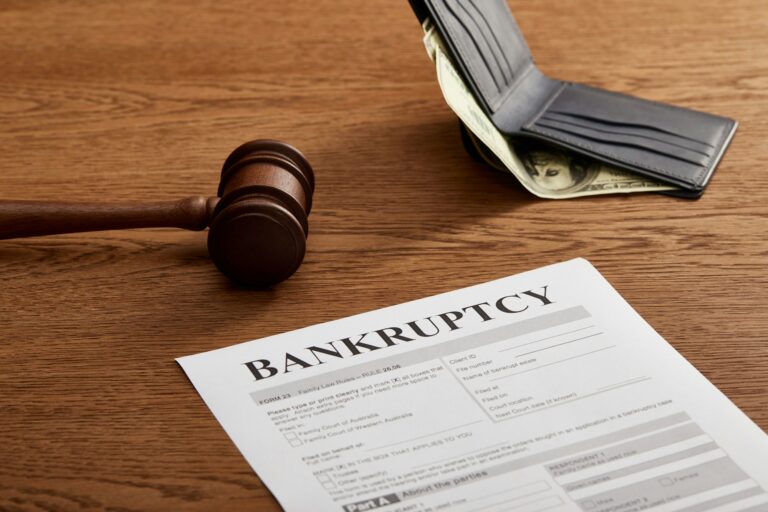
(671, 144)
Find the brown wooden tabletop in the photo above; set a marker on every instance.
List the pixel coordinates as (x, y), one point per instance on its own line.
(143, 100)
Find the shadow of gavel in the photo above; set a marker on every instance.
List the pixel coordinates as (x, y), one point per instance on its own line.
(258, 222)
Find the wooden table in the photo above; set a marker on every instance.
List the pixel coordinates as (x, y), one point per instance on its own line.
(143, 100)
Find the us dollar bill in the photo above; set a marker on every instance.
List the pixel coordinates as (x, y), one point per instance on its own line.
(545, 172)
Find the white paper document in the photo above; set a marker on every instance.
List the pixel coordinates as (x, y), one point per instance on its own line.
(540, 391)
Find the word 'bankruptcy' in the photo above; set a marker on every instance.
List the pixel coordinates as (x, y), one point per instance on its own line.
(390, 336)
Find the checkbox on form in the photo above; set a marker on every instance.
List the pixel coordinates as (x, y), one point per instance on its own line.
(293, 439)
(326, 482)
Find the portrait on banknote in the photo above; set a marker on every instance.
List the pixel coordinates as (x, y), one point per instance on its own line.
(557, 170)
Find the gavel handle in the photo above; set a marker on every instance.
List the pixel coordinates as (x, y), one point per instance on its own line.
(20, 219)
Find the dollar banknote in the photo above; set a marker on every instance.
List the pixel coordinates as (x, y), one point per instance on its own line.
(545, 172)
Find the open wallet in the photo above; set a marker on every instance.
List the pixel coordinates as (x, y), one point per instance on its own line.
(673, 145)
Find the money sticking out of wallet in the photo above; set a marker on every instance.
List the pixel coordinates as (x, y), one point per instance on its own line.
(560, 139)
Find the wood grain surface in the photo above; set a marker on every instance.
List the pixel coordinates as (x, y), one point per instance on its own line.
(143, 100)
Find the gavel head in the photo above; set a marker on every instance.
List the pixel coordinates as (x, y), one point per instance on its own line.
(259, 229)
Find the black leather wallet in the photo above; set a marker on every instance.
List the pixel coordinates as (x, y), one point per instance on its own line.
(668, 143)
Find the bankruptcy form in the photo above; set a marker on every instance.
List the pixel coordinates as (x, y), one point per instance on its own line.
(540, 391)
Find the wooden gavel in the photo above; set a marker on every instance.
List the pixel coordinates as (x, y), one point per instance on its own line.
(258, 222)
